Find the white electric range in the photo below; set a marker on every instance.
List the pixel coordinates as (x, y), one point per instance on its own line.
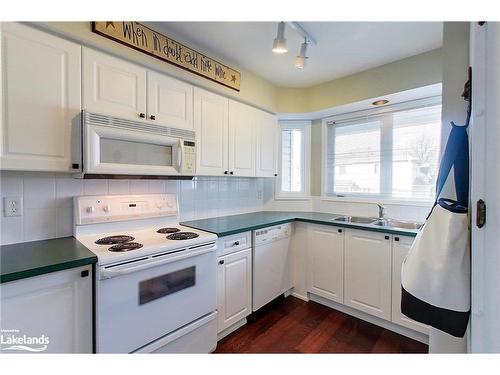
(155, 279)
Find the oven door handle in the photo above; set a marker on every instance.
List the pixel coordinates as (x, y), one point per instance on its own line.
(108, 273)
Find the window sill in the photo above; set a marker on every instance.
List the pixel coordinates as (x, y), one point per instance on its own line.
(292, 198)
(373, 200)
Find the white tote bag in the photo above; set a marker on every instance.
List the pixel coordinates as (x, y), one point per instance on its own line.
(435, 277)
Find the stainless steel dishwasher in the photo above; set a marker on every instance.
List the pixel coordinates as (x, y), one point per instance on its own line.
(271, 264)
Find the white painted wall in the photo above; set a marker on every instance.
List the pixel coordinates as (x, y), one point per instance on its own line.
(48, 205)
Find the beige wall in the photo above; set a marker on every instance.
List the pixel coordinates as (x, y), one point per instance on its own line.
(316, 157)
(415, 71)
(412, 72)
(254, 90)
(455, 70)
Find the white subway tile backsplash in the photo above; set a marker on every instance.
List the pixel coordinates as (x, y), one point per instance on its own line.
(118, 187)
(64, 221)
(39, 190)
(138, 186)
(171, 186)
(11, 229)
(48, 207)
(66, 189)
(95, 187)
(39, 224)
(11, 184)
(156, 186)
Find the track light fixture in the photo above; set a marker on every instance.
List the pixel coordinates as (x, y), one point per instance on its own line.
(300, 61)
(279, 45)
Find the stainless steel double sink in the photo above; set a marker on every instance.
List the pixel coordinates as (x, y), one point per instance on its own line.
(388, 223)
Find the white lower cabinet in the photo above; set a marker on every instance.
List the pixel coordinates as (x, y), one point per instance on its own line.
(57, 306)
(234, 288)
(367, 272)
(400, 247)
(326, 262)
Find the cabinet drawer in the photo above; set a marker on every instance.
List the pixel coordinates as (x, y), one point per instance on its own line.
(234, 242)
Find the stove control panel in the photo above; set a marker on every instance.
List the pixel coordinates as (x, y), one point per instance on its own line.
(101, 209)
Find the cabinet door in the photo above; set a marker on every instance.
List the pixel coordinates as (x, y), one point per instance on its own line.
(57, 305)
(113, 86)
(266, 145)
(243, 121)
(210, 119)
(326, 262)
(170, 101)
(40, 99)
(234, 288)
(367, 272)
(400, 247)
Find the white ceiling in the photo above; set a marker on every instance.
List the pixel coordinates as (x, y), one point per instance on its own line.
(343, 47)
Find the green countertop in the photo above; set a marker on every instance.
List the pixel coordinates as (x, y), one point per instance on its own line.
(27, 259)
(227, 225)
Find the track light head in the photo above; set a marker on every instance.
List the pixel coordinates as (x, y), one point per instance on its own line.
(300, 61)
(279, 45)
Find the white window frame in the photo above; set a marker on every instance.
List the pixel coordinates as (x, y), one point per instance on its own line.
(305, 126)
(370, 198)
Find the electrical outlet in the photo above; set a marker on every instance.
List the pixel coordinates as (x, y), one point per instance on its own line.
(12, 206)
(259, 194)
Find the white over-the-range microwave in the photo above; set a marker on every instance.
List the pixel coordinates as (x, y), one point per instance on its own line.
(116, 147)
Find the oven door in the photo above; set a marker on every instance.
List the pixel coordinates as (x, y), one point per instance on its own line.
(113, 150)
(138, 302)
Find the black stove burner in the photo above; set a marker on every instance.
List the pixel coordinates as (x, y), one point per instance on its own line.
(182, 236)
(111, 240)
(126, 246)
(168, 230)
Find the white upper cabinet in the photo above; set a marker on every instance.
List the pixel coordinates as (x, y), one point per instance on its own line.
(113, 86)
(326, 262)
(266, 153)
(400, 247)
(243, 121)
(211, 121)
(170, 102)
(40, 99)
(233, 138)
(367, 272)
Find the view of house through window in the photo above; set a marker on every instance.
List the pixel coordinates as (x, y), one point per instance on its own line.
(393, 155)
(357, 154)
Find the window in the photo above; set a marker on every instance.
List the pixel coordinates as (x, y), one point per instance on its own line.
(393, 155)
(293, 179)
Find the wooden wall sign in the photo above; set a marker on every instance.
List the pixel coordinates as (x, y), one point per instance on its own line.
(142, 38)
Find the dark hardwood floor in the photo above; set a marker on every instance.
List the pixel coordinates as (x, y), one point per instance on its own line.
(293, 326)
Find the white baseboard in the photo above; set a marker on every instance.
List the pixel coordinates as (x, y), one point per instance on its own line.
(418, 336)
(299, 296)
(231, 329)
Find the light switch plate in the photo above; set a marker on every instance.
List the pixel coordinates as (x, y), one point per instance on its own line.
(12, 206)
